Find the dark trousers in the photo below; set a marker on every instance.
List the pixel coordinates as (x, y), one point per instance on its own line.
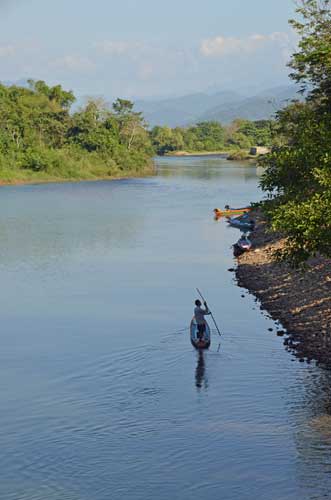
(201, 331)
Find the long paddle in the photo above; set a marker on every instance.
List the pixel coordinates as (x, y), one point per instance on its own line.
(211, 314)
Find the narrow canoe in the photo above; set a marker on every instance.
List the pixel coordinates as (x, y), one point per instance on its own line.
(199, 344)
(244, 243)
(230, 211)
(241, 224)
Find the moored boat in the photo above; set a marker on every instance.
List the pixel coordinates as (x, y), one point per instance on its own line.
(227, 211)
(244, 243)
(195, 341)
(243, 223)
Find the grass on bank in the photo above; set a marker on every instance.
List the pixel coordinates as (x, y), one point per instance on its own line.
(70, 165)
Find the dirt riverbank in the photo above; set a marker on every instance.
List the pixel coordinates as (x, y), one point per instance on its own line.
(301, 301)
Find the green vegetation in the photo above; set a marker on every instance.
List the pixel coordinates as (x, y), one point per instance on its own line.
(212, 136)
(298, 170)
(41, 140)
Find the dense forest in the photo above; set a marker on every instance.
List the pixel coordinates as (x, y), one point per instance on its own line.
(40, 137)
(298, 170)
(212, 136)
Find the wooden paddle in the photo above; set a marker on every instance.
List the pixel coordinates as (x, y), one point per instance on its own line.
(211, 314)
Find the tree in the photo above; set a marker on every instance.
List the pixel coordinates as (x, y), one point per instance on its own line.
(131, 123)
(298, 172)
(165, 139)
(56, 94)
(38, 133)
(311, 65)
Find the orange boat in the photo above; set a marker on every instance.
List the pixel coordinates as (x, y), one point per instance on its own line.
(230, 211)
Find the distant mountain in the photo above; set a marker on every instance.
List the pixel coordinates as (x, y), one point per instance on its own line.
(179, 111)
(258, 107)
(222, 106)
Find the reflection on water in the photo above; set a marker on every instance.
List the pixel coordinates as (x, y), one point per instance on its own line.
(67, 227)
(97, 402)
(201, 379)
(207, 168)
(312, 420)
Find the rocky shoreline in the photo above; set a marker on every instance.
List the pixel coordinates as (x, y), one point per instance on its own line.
(300, 301)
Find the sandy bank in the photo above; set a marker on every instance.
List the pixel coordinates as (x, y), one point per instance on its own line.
(301, 301)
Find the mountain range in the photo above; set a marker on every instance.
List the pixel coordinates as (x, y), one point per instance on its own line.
(223, 106)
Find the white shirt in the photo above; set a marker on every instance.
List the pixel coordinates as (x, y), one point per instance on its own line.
(199, 314)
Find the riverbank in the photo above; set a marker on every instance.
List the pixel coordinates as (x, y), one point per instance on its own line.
(197, 153)
(301, 301)
(20, 177)
(237, 155)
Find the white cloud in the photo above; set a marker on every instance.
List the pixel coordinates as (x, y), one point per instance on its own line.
(73, 63)
(7, 50)
(221, 46)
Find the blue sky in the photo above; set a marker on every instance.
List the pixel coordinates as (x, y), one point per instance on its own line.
(134, 48)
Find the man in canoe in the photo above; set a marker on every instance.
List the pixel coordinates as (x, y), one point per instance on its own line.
(199, 314)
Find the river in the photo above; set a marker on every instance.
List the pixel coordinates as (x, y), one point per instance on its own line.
(102, 395)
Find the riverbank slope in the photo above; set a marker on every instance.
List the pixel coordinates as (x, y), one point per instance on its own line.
(12, 177)
(301, 301)
(230, 154)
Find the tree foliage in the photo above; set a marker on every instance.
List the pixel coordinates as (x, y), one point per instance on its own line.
(298, 172)
(212, 136)
(311, 64)
(39, 133)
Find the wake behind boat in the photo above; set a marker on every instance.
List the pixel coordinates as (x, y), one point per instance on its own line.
(195, 341)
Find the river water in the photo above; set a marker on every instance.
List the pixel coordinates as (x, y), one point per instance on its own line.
(102, 395)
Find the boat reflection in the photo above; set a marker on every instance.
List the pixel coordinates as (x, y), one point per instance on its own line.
(201, 379)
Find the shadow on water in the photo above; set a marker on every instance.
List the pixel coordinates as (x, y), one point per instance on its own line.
(201, 379)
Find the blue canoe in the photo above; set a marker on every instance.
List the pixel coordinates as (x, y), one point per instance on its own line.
(244, 224)
(199, 344)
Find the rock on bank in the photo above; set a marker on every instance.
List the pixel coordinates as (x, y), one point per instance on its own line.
(300, 300)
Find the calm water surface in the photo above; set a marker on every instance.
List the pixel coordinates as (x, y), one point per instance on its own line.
(102, 396)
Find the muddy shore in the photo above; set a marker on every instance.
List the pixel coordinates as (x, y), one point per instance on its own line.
(301, 301)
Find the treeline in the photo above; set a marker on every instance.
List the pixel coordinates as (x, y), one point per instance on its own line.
(298, 171)
(38, 134)
(212, 136)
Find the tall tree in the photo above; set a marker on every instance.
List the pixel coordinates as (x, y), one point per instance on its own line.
(298, 173)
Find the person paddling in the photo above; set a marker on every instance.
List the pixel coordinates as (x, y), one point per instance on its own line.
(199, 314)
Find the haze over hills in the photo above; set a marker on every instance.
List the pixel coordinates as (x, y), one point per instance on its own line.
(183, 110)
(223, 107)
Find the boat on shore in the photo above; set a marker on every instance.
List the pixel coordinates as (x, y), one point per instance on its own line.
(195, 341)
(228, 211)
(243, 245)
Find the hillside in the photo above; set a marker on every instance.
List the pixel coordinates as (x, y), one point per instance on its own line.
(259, 107)
(179, 111)
(222, 106)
